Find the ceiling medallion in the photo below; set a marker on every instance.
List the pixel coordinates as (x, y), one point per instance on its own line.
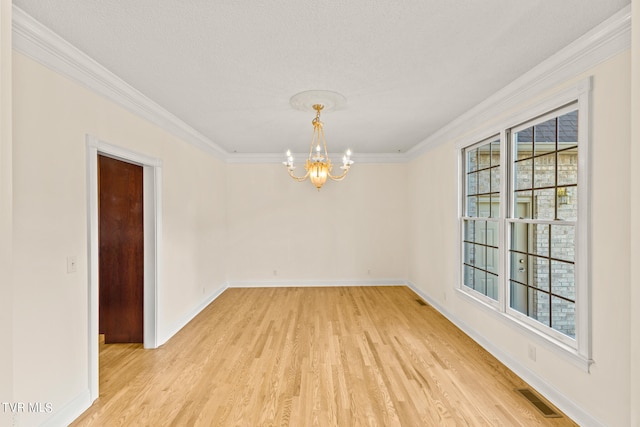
(318, 165)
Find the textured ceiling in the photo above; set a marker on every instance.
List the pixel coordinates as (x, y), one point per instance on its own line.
(407, 68)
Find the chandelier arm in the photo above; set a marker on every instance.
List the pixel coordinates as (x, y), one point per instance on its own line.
(339, 177)
(298, 178)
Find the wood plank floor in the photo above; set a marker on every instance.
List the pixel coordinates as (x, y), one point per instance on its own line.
(334, 356)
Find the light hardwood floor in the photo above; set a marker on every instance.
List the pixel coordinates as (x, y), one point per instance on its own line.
(345, 356)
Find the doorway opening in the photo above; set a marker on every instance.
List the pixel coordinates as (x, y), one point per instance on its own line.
(120, 251)
(152, 174)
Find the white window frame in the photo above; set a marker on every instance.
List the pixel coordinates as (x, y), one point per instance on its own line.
(499, 220)
(578, 350)
(511, 219)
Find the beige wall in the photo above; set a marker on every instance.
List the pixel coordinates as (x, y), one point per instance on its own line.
(6, 289)
(433, 191)
(635, 214)
(349, 230)
(603, 393)
(51, 116)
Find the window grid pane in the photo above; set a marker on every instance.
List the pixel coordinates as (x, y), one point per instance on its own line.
(480, 229)
(480, 256)
(482, 180)
(542, 254)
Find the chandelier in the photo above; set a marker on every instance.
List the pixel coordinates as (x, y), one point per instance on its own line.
(318, 166)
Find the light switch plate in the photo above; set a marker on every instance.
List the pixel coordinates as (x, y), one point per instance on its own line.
(72, 264)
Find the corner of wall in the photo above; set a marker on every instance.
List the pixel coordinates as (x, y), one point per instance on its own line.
(6, 208)
(634, 404)
(69, 412)
(165, 333)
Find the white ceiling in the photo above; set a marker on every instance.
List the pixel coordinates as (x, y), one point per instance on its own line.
(407, 68)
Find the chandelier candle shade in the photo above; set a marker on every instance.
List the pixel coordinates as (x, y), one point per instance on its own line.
(318, 165)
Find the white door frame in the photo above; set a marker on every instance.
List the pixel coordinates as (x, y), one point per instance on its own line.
(152, 185)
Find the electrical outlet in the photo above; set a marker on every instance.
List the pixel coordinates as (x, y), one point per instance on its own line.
(532, 352)
(275, 272)
(72, 264)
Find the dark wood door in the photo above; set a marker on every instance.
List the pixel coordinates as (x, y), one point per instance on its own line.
(121, 250)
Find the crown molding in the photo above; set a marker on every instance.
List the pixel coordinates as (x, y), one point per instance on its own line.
(611, 37)
(359, 158)
(36, 41)
(39, 43)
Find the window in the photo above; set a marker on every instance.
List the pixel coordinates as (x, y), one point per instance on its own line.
(542, 221)
(518, 245)
(482, 210)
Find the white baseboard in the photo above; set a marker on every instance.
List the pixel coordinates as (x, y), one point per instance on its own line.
(175, 328)
(562, 402)
(314, 283)
(70, 411)
(171, 331)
